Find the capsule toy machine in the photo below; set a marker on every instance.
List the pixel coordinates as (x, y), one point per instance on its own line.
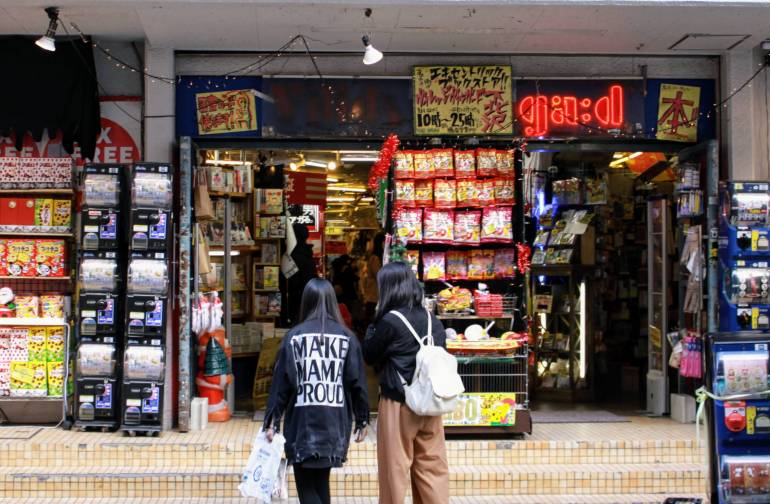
(151, 200)
(101, 226)
(99, 330)
(740, 440)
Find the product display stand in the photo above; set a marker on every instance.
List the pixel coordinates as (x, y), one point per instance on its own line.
(658, 232)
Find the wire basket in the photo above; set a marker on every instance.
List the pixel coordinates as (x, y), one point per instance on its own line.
(490, 305)
(510, 304)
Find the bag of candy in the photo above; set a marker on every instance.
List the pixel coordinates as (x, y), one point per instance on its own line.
(505, 263)
(443, 163)
(467, 193)
(505, 163)
(409, 225)
(496, 225)
(412, 258)
(438, 226)
(505, 191)
(465, 164)
(405, 193)
(423, 193)
(445, 193)
(486, 192)
(486, 162)
(481, 265)
(423, 165)
(433, 266)
(457, 265)
(404, 164)
(468, 227)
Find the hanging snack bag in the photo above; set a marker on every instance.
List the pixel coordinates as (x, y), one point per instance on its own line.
(409, 225)
(443, 163)
(404, 164)
(405, 193)
(467, 193)
(505, 260)
(505, 164)
(438, 226)
(50, 258)
(433, 266)
(423, 165)
(486, 192)
(505, 191)
(21, 258)
(445, 193)
(486, 162)
(465, 164)
(468, 228)
(412, 258)
(457, 265)
(423, 193)
(481, 265)
(496, 226)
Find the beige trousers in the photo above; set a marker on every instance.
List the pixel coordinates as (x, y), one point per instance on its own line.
(411, 445)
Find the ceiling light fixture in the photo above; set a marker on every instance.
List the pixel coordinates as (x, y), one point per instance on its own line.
(341, 199)
(358, 159)
(47, 41)
(371, 55)
(317, 164)
(332, 179)
(331, 166)
(622, 160)
(347, 189)
(293, 166)
(227, 162)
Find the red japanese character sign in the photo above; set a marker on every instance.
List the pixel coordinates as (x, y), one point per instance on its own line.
(226, 112)
(463, 100)
(678, 112)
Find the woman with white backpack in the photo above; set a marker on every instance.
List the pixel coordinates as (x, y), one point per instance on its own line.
(408, 444)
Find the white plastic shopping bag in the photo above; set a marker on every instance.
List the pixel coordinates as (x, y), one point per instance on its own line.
(262, 470)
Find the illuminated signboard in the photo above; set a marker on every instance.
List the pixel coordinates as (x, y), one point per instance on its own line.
(578, 108)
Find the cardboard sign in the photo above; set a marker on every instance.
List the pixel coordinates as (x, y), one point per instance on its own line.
(463, 100)
(678, 112)
(226, 112)
(483, 409)
(305, 188)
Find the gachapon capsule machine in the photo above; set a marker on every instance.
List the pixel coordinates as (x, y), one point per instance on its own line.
(744, 303)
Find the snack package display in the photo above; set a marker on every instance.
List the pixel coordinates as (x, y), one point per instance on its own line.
(5, 344)
(143, 363)
(54, 344)
(423, 193)
(467, 228)
(496, 225)
(596, 190)
(43, 212)
(5, 379)
(50, 258)
(409, 225)
(465, 164)
(433, 266)
(455, 299)
(96, 360)
(505, 163)
(467, 193)
(445, 193)
(28, 379)
(62, 213)
(412, 258)
(423, 165)
(457, 265)
(101, 190)
(505, 263)
(486, 162)
(27, 306)
(438, 226)
(19, 345)
(481, 265)
(147, 276)
(20, 258)
(486, 192)
(568, 192)
(443, 163)
(55, 375)
(405, 193)
(98, 275)
(404, 164)
(505, 191)
(744, 372)
(36, 348)
(152, 190)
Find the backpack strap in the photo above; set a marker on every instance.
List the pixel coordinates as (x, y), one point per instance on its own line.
(425, 340)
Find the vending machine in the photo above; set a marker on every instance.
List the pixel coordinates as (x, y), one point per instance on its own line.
(147, 304)
(737, 358)
(99, 320)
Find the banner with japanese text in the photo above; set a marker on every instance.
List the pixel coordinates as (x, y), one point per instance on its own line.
(226, 112)
(678, 113)
(463, 100)
(480, 409)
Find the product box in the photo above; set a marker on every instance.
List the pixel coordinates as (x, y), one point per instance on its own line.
(272, 227)
(36, 344)
(52, 306)
(5, 378)
(62, 213)
(28, 379)
(44, 212)
(5, 344)
(27, 306)
(269, 253)
(55, 375)
(270, 201)
(18, 350)
(20, 258)
(50, 257)
(54, 344)
(270, 277)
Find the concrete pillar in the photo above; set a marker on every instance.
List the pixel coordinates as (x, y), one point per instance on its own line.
(745, 118)
(159, 106)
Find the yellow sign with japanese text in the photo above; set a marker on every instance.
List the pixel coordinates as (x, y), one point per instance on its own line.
(463, 100)
(226, 112)
(483, 410)
(678, 111)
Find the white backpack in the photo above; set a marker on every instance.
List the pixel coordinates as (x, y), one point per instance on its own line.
(436, 386)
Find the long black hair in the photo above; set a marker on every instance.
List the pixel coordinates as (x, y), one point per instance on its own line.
(398, 288)
(319, 302)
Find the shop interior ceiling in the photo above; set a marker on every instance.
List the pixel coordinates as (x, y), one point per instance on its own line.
(502, 26)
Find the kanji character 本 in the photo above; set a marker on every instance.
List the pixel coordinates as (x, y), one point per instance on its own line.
(676, 114)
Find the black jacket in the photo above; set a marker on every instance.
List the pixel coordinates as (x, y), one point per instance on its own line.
(319, 383)
(391, 348)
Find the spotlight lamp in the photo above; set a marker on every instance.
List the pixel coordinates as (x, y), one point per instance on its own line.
(47, 41)
(371, 55)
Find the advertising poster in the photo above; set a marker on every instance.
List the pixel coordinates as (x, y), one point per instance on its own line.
(226, 112)
(678, 112)
(483, 410)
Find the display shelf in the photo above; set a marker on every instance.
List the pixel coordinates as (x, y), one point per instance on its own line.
(35, 278)
(37, 191)
(29, 234)
(31, 398)
(472, 317)
(231, 195)
(239, 248)
(17, 321)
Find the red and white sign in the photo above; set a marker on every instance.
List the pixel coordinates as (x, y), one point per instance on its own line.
(118, 140)
(306, 188)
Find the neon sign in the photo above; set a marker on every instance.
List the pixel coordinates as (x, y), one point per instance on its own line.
(541, 113)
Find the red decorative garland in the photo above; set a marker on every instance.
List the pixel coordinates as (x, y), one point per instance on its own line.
(522, 257)
(382, 166)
